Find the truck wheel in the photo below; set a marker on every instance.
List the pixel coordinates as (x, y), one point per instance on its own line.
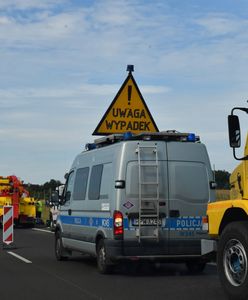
(232, 262)
(59, 249)
(195, 267)
(103, 264)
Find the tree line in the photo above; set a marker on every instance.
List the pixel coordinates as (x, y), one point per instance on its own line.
(222, 179)
(42, 191)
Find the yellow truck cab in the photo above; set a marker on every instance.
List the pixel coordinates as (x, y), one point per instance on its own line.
(228, 222)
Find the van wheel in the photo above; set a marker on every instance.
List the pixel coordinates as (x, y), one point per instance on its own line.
(196, 266)
(59, 249)
(103, 264)
(232, 260)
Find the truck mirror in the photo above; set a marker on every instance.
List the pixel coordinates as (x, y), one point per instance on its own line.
(234, 131)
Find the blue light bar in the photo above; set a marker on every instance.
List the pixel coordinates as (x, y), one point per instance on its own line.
(127, 136)
(191, 137)
(90, 146)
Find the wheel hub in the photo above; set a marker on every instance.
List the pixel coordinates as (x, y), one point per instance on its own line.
(235, 262)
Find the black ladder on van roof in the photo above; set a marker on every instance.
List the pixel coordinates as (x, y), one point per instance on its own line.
(148, 206)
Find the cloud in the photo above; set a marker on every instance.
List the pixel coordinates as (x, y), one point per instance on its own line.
(37, 135)
(29, 4)
(78, 91)
(111, 13)
(62, 63)
(5, 20)
(47, 114)
(221, 24)
(39, 31)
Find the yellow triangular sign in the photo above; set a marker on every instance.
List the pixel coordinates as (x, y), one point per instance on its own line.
(128, 112)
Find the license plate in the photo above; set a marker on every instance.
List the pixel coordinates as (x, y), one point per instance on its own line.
(147, 222)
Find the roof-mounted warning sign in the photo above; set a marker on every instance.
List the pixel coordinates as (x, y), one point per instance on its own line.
(127, 112)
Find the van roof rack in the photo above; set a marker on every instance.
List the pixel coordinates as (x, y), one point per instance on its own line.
(169, 135)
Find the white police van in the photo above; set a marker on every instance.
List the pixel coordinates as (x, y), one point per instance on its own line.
(139, 197)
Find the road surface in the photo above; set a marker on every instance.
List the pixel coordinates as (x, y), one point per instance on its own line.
(35, 274)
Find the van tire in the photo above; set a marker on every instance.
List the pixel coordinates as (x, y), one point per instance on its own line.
(103, 263)
(59, 248)
(232, 260)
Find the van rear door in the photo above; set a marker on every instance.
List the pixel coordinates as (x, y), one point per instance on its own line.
(141, 190)
(189, 176)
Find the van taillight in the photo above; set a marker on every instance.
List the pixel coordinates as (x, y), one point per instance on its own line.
(205, 223)
(118, 223)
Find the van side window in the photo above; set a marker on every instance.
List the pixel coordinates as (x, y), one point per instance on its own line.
(95, 182)
(107, 176)
(69, 186)
(80, 186)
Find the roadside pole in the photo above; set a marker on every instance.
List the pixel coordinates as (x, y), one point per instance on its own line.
(8, 227)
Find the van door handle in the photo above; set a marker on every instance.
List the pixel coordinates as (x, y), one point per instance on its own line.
(69, 212)
(174, 213)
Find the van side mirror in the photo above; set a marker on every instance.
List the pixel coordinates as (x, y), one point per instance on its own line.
(60, 190)
(67, 196)
(54, 197)
(234, 131)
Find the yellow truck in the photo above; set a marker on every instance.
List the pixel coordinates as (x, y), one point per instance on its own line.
(12, 192)
(228, 222)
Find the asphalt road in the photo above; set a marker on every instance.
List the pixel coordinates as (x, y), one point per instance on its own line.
(42, 277)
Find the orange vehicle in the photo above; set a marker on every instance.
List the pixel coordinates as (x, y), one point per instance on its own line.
(12, 192)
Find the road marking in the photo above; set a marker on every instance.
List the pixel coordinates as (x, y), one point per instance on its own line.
(20, 257)
(42, 230)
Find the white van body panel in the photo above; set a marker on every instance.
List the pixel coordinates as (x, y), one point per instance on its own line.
(184, 176)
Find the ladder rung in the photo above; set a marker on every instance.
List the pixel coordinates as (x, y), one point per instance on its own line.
(149, 183)
(151, 147)
(144, 209)
(148, 165)
(149, 216)
(148, 236)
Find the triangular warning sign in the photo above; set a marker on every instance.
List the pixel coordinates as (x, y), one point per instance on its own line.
(128, 112)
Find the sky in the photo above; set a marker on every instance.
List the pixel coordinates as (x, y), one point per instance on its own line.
(63, 61)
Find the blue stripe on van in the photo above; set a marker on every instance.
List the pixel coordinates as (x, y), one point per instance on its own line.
(90, 221)
(190, 223)
(181, 223)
